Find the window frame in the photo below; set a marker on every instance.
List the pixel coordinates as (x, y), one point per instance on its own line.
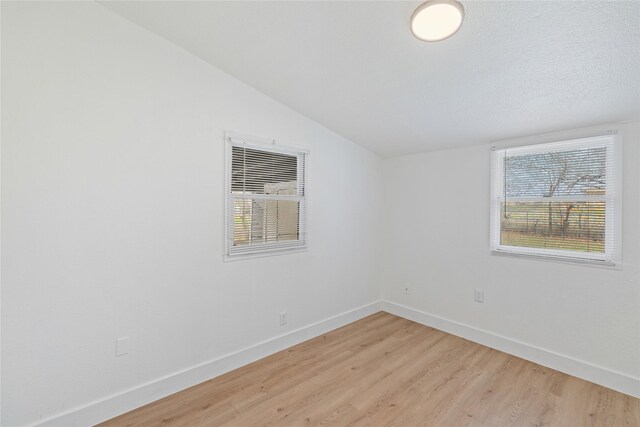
(612, 257)
(255, 250)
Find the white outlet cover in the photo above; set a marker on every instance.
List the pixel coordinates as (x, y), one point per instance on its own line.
(478, 295)
(283, 318)
(122, 346)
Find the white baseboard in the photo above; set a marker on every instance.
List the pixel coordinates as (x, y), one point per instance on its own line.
(569, 365)
(109, 407)
(119, 403)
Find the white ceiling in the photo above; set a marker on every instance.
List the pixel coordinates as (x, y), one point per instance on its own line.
(513, 69)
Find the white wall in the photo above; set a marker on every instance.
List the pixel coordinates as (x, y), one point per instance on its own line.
(437, 216)
(112, 212)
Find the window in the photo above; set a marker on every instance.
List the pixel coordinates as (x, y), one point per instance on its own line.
(266, 197)
(558, 200)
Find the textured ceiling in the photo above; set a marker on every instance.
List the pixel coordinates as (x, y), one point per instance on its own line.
(513, 69)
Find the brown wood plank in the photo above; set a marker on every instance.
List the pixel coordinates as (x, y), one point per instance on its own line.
(385, 370)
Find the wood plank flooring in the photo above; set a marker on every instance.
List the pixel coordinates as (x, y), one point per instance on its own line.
(387, 371)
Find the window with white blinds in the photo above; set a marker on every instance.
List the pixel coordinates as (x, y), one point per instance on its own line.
(266, 197)
(558, 200)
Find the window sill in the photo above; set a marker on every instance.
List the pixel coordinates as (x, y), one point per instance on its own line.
(264, 254)
(560, 259)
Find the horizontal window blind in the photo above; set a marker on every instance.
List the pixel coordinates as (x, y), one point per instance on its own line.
(557, 200)
(266, 200)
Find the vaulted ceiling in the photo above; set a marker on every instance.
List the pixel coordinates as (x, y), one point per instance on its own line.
(515, 68)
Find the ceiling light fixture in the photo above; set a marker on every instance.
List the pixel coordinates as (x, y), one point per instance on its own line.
(436, 20)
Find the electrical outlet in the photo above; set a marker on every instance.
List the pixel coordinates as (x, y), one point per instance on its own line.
(478, 295)
(283, 318)
(122, 346)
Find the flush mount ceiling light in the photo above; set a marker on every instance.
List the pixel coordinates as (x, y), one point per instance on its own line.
(436, 20)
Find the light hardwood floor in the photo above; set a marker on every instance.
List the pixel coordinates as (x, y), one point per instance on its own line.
(387, 371)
